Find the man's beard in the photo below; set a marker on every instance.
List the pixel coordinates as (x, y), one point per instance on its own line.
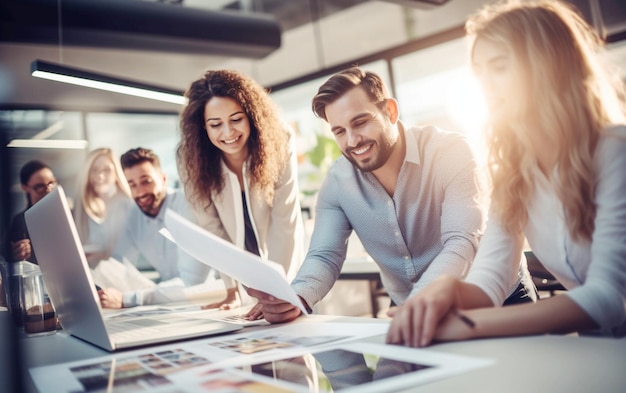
(154, 207)
(384, 148)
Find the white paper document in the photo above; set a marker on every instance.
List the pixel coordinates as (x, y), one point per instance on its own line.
(245, 267)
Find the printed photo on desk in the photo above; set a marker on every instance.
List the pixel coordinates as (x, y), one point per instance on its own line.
(281, 341)
(285, 359)
(346, 368)
(350, 367)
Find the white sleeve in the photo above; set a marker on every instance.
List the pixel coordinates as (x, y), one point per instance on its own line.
(169, 291)
(496, 268)
(603, 294)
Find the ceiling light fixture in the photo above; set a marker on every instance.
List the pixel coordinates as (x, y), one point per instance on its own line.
(48, 143)
(152, 26)
(75, 76)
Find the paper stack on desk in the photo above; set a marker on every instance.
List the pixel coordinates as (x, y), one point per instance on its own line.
(245, 267)
(299, 357)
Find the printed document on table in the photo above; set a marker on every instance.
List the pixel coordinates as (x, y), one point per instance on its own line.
(245, 267)
(291, 363)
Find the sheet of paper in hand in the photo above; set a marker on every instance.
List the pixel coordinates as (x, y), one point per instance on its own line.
(245, 267)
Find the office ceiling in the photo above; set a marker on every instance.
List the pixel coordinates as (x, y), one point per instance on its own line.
(168, 43)
(139, 25)
(315, 34)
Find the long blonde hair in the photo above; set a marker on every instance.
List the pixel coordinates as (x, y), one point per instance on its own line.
(87, 203)
(568, 97)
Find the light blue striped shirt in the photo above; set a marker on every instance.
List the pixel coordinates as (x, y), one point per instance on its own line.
(141, 237)
(431, 226)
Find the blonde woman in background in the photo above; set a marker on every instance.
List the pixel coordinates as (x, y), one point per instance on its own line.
(558, 166)
(101, 204)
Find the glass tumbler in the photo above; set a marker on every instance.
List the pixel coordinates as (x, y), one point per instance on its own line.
(38, 314)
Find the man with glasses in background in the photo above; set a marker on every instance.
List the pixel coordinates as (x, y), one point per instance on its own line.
(37, 180)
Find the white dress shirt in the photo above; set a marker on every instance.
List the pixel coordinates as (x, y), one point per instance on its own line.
(141, 237)
(593, 272)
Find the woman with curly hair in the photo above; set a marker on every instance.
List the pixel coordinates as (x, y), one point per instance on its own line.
(237, 162)
(557, 152)
(101, 204)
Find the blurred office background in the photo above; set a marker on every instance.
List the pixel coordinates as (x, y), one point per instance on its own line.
(418, 47)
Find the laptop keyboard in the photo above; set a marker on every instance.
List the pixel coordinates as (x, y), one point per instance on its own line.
(149, 329)
(138, 328)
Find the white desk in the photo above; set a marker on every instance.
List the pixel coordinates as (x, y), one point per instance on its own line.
(539, 364)
(527, 364)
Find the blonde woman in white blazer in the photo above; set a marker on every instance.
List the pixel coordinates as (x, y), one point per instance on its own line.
(238, 164)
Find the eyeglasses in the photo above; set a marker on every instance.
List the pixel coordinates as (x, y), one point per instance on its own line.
(40, 188)
(101, 171)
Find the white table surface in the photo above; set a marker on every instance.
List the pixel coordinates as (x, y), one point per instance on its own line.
(549, 363)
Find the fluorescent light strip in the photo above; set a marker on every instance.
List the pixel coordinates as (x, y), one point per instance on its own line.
(65, 74)
(49, 143)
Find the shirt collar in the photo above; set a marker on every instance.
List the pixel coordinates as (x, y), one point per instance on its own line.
(411, 152)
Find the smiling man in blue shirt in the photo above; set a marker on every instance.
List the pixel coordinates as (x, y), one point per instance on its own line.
(141, 237)
(412, 196)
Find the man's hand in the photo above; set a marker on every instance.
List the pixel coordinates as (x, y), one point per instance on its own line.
(21, 249)
(230, 302)
(415, 323)
(275, 310)
(255, 312)
(110, 298)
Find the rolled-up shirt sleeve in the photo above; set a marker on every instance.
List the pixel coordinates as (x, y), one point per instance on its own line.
(496, 268)
(327, 250)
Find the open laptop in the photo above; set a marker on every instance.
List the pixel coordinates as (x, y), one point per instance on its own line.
(73, 293)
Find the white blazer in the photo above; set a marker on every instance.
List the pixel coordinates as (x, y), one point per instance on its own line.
(279, 229)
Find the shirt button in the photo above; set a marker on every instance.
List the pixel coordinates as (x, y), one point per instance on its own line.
(389, 203)
(397, 233)
(406, 257)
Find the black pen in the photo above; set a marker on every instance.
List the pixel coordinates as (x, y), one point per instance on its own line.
(466, 320)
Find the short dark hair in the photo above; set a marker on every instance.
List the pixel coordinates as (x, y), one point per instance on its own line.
(29, 169)
(137, 156)
(344, 81)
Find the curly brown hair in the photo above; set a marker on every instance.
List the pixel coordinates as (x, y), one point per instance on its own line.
(199, 161)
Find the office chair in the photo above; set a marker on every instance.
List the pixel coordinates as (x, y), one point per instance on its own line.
(542, 278)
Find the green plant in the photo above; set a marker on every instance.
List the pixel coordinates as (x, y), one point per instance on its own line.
(324, 153)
